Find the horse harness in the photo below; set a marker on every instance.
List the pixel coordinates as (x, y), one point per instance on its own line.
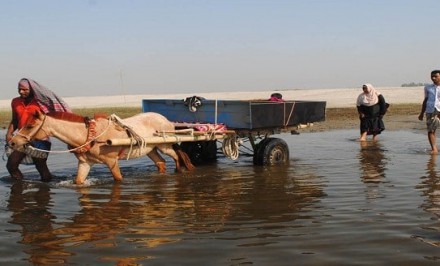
(91, 136)
(28, 137)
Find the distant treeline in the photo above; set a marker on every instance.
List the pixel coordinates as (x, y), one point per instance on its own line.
(413, 84)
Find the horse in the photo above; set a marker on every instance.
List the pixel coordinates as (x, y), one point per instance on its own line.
(87, 139)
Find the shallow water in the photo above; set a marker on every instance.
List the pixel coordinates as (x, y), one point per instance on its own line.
(336, 203)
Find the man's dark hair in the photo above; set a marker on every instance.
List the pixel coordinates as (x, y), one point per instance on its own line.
(435, 72)
(277, 95)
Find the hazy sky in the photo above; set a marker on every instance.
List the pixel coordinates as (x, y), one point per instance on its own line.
(94, 47)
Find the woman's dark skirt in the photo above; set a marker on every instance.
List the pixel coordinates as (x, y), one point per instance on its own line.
(372, 122)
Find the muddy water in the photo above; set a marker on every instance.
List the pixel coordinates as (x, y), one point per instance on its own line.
(337, 202)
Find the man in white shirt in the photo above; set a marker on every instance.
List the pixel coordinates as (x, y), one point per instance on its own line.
(431, 106)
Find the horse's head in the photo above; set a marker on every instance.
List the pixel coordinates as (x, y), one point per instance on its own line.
(31, 131)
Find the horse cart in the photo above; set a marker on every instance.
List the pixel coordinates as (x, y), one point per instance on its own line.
(241, 127)
(195, 126)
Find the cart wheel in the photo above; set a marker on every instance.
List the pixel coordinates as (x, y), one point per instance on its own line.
(200, 151)
(271, 151)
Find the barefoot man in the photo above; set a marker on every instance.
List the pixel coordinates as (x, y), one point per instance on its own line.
(431, 106)
(33, 97)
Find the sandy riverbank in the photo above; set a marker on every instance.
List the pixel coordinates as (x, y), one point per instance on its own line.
(343, 97)
(341, 111)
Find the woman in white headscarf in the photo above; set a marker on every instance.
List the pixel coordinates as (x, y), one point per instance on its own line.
(371, 107)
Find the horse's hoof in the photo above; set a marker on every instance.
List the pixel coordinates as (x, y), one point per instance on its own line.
(161, 167)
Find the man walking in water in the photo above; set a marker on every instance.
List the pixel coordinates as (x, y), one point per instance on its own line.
(33, 97)
(431, 107)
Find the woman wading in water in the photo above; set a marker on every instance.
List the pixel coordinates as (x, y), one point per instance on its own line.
(371, 107)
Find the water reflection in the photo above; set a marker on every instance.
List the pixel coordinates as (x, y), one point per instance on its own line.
(105, 215)
(233, 213)
(372, 163)
(258, 199)
(125, 223)
(29, 205)
(430, 186)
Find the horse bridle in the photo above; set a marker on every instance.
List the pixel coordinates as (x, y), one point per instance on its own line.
(80, 149)
(29, 137)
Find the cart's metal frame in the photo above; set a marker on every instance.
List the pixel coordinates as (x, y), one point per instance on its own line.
(255, 121)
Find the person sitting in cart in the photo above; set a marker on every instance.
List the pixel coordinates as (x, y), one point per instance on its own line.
(276, 97)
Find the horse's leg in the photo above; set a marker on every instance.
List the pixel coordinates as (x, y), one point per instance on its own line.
(113, 165)
(158, 160)
(83, 172)
(168, 150)
(183, 157)
(177, 154)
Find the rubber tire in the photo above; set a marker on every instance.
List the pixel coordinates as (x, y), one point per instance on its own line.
(271, 151)
(200, 152)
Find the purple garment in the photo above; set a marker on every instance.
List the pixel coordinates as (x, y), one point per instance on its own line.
(47, 99)
(275, 99)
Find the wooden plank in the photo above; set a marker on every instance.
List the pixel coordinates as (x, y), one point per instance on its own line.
(165, 139)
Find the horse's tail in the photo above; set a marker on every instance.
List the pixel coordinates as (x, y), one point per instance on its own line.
(183, 157)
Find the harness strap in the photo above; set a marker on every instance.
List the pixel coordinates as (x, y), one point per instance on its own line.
(131, 134)
(72, 149)
(91, 136)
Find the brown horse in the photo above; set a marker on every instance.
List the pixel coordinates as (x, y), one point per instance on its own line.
(87, 138)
